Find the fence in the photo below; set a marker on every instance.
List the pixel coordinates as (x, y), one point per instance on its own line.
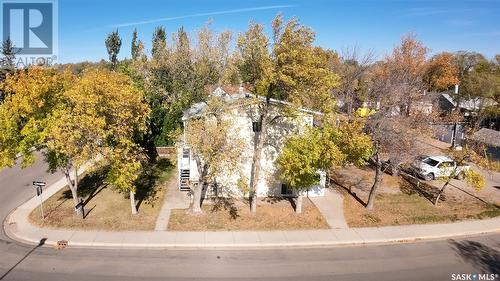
(444, 133)
(166, 151)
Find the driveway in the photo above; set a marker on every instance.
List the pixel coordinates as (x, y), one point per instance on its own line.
(490, 193)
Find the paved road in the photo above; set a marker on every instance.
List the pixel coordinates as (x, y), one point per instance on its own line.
(435, 260)
(16, 185)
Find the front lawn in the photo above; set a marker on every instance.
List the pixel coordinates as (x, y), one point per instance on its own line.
(106, 208)
(272, 214)
(412, 207)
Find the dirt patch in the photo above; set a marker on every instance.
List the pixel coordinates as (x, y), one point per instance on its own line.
(272, 214)
(105, 207)
(360, 180)
(412, 205)
(402, 209)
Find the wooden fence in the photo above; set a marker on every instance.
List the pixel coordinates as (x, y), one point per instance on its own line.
(166, 151)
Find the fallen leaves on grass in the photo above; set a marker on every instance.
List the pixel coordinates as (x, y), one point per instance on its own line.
(271, 215)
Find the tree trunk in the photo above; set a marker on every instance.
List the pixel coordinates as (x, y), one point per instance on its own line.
(73, 186)
(298, 204)
(395, 170)
(196, 206)
(376, 183)
(349, 104)
(441, 191)
(133, 206)
(255, 175)
(408, 108)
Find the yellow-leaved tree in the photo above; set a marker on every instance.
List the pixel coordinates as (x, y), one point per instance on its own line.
(321, 148)
(74, 120)
(216, 147)
(294, 71)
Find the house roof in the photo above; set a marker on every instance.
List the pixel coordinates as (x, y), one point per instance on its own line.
(232, 93)
(449, 99)
(470, 104)
(228, 89)
(487, 136)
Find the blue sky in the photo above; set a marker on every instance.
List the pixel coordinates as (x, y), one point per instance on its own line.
(369, 24)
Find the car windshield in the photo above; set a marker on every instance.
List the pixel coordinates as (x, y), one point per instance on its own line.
(430, 162)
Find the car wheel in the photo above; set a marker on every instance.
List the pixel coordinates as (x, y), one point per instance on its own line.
(429, 177)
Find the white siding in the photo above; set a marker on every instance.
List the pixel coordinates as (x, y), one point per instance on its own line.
(269, 183)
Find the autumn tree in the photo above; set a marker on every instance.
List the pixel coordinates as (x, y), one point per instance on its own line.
(215, 146)
(21, 117)
(472, 178)
(441, 72)
(184, 88)
(482, 84)
(113, 45)
(73, 120)
(395, 136)
(299, 163)
(405, 69)
(292, 72)
(352, 69)
(324, 148)
(178, 75)
(466, 61)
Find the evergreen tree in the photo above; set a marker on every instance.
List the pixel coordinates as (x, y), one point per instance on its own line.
(135, 45)
(113, 45)
(159, 41)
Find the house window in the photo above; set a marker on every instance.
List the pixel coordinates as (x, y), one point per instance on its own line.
(285, 190)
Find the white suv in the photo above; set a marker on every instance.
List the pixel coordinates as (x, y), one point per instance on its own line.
(433, 167)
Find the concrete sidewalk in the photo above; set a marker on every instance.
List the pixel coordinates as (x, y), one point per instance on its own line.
(18, 228)
(174, 199)
(331, 207)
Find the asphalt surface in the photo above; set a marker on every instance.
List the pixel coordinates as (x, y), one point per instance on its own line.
(429, 260)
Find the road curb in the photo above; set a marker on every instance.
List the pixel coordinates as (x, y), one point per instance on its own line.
(18, 228)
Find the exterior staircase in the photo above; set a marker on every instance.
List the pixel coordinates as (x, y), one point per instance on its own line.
(184, 171)
(184, 180)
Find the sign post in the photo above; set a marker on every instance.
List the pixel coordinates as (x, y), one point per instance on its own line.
(39, 190)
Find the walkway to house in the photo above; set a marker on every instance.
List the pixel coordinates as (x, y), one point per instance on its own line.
(174, 199)
(18, 227)
(331, 206)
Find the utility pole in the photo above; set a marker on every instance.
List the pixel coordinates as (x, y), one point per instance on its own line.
(455, 127)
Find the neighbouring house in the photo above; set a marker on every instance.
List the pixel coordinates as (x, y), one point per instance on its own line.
(489, 140)
(243, 121)
(443, 103)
